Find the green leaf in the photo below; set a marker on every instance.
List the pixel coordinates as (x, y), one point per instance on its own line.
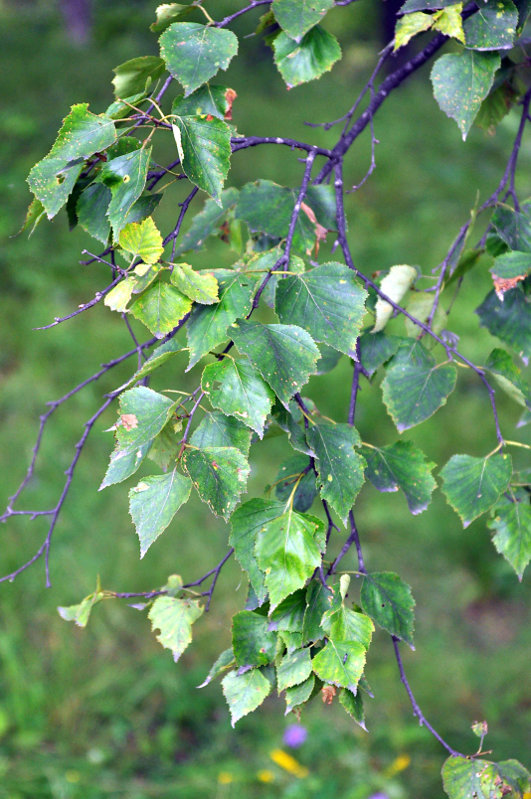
(420, 305)
(136, 75)
(493, 26)
(206, 222)
(219, 475)
(508, 375)
(293, 669)
(35, 213)
(288, 552)
(461, 81)
(82, 134)
(198, 286)
(80, 614)
(154, 502)
(252, 643)
(450, 22)
(299, 694)
(326, 301)
(123, 463)
(244, 692)
(295, 477)
(285, 355)
(221, 664)
(300, 62)
(174, 618)
(387, 599)
(289, 615)
(353, 704)
(161, 307)
(194, 53)
(403, 466)
(236, 389)
(159, 356)
(208, 325)
(328, 360)
(394, 285)
(168, 13)
(91, 210)
(246, 522)
(514, 227)
(509, 318)
(376, 349)
(118, 298)
(415, 386)
(481, 779)
(204, 149)
(408, 26)
(344, 624)
(143, 414)
(142, 240)
(319, 599)
(210, 100)
(296, 17)
(166, 446)
(218, 430)
(340, 468)
(473, 485)
(512, 264)
(511, 524)
(340, 663)
(126, 178)
(267, 208)
(425, 5)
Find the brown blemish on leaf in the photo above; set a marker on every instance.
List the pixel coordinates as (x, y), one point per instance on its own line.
(230, 96)
(502, 284)
(129, 421)
(320, 231)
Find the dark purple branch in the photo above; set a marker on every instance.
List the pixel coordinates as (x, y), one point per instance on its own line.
(352, 539)
(84, 307)
(255, 3)
(254, 141)
(297, 207)
(215, 571)
(176, 230)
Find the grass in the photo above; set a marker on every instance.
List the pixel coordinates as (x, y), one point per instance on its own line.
(104, 712)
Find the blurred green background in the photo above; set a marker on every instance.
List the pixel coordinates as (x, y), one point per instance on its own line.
(104, 712)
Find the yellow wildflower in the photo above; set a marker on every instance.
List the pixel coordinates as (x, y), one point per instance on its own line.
(288, 763)
(399, 764)
(225, 778)
(264, 775)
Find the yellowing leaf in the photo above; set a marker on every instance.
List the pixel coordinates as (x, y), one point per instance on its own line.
(142, 240)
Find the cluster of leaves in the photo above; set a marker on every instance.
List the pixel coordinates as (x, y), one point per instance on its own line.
(257, 331)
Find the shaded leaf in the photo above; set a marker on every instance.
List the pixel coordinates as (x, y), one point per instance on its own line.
(509, 319)
(285, 355)
(154, 502)
(221, 664)
(91, 210)
(508, 375)
(235, 388)
(461, 81)
(194, 53)
(161, 307)
(220, 475)
(81, 135)
(208, 325)
(198, 286)
(244, 692)
(35, 214)
(403, 466)
(204, 149)
(319, 599)
(512, 264)
(253, 644)
(126, 177)
(218, 430)
(340, 663)
(493, 26)
(295, 477)
(425, 5)
(206, 222)
(142, 240)
(326, 301)
(340, 468)
(136, 75)
(246, 523)
(300, 62)
(159, 356)
(511, 523)
(387, 599)
(289, 615)
(288, 553)
(174, 618)
(376, 349)
(415, 386)
(473, 485)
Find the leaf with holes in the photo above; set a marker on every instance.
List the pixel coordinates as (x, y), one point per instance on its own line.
(387, 599)
(401, 465)
(326, 301)
(194, 53)
(154, 502)
(481, 779)
(235, 388)
(415, 386)
(219, 475)
(473, 485)
(173, 618)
